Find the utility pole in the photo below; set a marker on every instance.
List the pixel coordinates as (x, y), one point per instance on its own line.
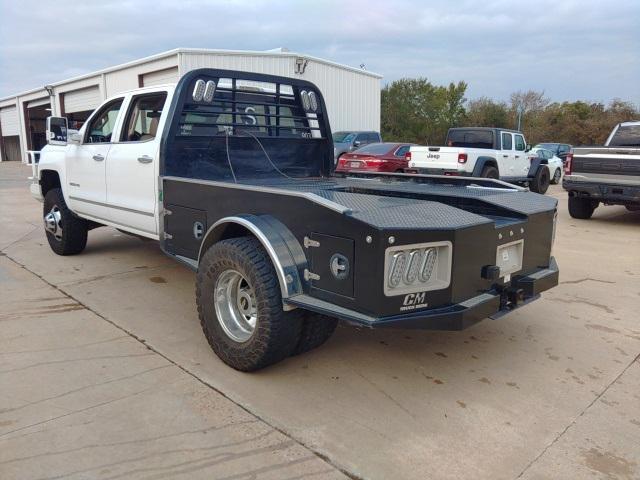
(520, 111)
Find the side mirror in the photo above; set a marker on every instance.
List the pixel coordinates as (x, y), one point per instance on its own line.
(528, 147)
(57, 130)
(75, 137)
(357, 143)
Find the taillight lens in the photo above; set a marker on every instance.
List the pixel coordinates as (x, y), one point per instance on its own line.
(374, 161)
(407, 156)
(462, 158)
(567, 164)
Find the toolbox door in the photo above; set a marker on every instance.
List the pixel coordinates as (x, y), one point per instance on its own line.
(186, 227)
(333, 261)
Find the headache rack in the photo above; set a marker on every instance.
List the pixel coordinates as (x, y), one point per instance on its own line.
(230, 106)
(230, 125)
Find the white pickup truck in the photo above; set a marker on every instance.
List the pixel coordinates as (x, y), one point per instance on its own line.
(482, 152)
(233, 173)
(607, 175)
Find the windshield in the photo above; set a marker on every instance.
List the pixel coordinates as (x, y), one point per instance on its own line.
(343, 137)
(470, 138)
(626, 136)
(374, 149)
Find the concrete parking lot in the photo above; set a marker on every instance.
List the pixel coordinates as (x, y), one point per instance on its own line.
(105, 373)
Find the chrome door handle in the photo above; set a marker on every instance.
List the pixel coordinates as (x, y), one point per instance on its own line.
(98, 158)
(145, 159)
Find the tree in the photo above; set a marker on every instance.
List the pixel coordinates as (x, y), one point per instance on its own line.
(487, 113)
(415, 110)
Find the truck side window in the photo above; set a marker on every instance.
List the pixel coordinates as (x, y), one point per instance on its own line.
(143, 117)
(507, 142)
(101, 126)
(520, 145)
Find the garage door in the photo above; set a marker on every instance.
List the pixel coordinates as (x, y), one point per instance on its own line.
(161, 77)
(82, 100)
(9, 121)
(11, 148)
(38, 103)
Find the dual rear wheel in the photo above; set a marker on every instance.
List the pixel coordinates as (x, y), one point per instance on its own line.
(240, 308)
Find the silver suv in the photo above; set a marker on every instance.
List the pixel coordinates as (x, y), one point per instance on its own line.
(345, 142)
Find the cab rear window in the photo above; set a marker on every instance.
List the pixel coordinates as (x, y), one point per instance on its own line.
(470, 138)
(626, 136)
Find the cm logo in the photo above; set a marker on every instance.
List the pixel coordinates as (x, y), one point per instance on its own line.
(414, 298)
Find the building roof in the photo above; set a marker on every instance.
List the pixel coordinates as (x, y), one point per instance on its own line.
(277, 52)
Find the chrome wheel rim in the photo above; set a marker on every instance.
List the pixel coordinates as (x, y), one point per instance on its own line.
(235, 303)
(53, 222)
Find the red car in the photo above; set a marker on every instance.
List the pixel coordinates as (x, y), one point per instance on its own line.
(375, 157)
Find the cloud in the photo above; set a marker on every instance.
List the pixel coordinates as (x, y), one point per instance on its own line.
(570, 49)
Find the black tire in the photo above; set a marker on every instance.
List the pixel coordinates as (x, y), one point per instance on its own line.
(276, 333)
(540, 183)
(316, 329)
(71, 238)
(557, 175)
(582, 208)
(490, 172)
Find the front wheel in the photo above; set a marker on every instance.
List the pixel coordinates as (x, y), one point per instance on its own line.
(240, 306)
(66, 233)
(556, 176)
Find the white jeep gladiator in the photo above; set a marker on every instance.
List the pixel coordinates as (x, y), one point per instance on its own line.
(482, 152)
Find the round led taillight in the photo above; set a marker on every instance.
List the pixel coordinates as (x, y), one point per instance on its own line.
(431, 255)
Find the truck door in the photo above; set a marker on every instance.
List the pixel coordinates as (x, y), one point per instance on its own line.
(522, 162)
(506, 156)
(132, 166)
(86, 186)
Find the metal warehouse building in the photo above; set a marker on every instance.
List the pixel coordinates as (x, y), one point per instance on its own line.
(352, 95)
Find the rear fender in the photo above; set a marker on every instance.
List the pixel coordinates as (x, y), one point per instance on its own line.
(536, 163)
(284, 250)
(481, 162)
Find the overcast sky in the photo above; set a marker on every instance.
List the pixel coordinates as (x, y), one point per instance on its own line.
(571, 49)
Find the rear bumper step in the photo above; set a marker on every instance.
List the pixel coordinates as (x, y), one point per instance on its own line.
(492, 304)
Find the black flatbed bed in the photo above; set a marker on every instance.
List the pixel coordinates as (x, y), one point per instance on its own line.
(277, 183)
